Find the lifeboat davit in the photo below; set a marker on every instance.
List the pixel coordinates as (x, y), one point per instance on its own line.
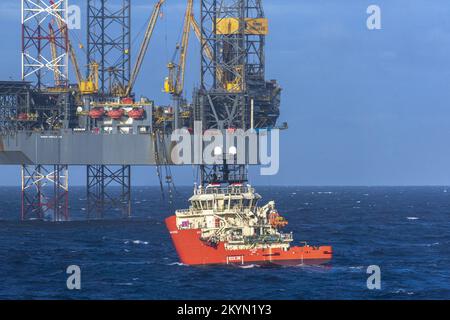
(116, 114)
(96, 113)
(136, 114)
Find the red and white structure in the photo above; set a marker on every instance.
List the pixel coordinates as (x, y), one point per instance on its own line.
(45, 46)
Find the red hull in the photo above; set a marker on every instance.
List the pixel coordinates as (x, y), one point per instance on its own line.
(192, 251)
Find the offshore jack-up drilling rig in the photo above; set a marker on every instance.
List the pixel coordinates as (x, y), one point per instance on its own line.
(48, 123)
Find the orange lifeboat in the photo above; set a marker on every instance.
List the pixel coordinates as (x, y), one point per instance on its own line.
(96, 113)
(276, 220)
(136, 114)
(127, 100)
(22, 116)
(116, 114)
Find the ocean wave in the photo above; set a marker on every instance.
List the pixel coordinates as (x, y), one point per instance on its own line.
(249, 266)
(177, 264)
(356, 268)
(432, 244)
(124, 284)
(135, 242)
(403, 291)
(412, 218)
(139, 242)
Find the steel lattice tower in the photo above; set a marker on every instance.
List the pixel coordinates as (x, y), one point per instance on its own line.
(44, 42)
(45, 192)
(228, 29)
(109, 43)
(233, 76)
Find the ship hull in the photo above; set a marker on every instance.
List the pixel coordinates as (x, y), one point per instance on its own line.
(192, 251)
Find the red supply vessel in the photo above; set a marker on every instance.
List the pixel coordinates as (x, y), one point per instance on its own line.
(224, 225)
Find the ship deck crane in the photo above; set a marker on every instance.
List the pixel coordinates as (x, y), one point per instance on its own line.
(144, 46)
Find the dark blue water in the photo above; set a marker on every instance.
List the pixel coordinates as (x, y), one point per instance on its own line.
(405, 231)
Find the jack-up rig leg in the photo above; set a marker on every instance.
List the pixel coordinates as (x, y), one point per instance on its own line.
(108, 188)
(45, 192)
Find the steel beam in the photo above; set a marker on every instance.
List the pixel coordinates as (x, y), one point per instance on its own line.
(45, 193)
(108, 188)
(109, 42)
(44, 27)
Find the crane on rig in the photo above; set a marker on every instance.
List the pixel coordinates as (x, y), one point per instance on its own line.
(208, 50)
(144, 47)
(90, 85)
(85, 86)
(53, 49)
(174, 83)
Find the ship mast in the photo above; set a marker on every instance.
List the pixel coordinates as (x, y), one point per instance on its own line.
(223, 174)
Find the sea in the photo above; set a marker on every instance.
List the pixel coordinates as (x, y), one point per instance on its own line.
(403, 231)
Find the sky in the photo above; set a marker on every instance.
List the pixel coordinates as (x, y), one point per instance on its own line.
(364, 107)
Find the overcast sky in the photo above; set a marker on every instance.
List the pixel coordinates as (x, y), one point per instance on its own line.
(364, 107)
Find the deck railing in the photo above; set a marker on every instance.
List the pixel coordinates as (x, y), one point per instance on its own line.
(231, 190)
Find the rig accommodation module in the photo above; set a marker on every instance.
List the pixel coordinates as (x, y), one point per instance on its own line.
(49, 121)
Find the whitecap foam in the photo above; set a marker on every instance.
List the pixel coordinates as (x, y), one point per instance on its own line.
(140, 242)
(432, 244)
(356, 268)
(403, 291)
(249, 266)
(412, 218)
(177, 264)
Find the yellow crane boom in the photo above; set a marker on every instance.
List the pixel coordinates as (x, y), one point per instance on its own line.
(54, 54)
(144, 46)
(184, 48)
(198, 34)
(174, 84)
(73, 59)
(89, 85)
(207, 49)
